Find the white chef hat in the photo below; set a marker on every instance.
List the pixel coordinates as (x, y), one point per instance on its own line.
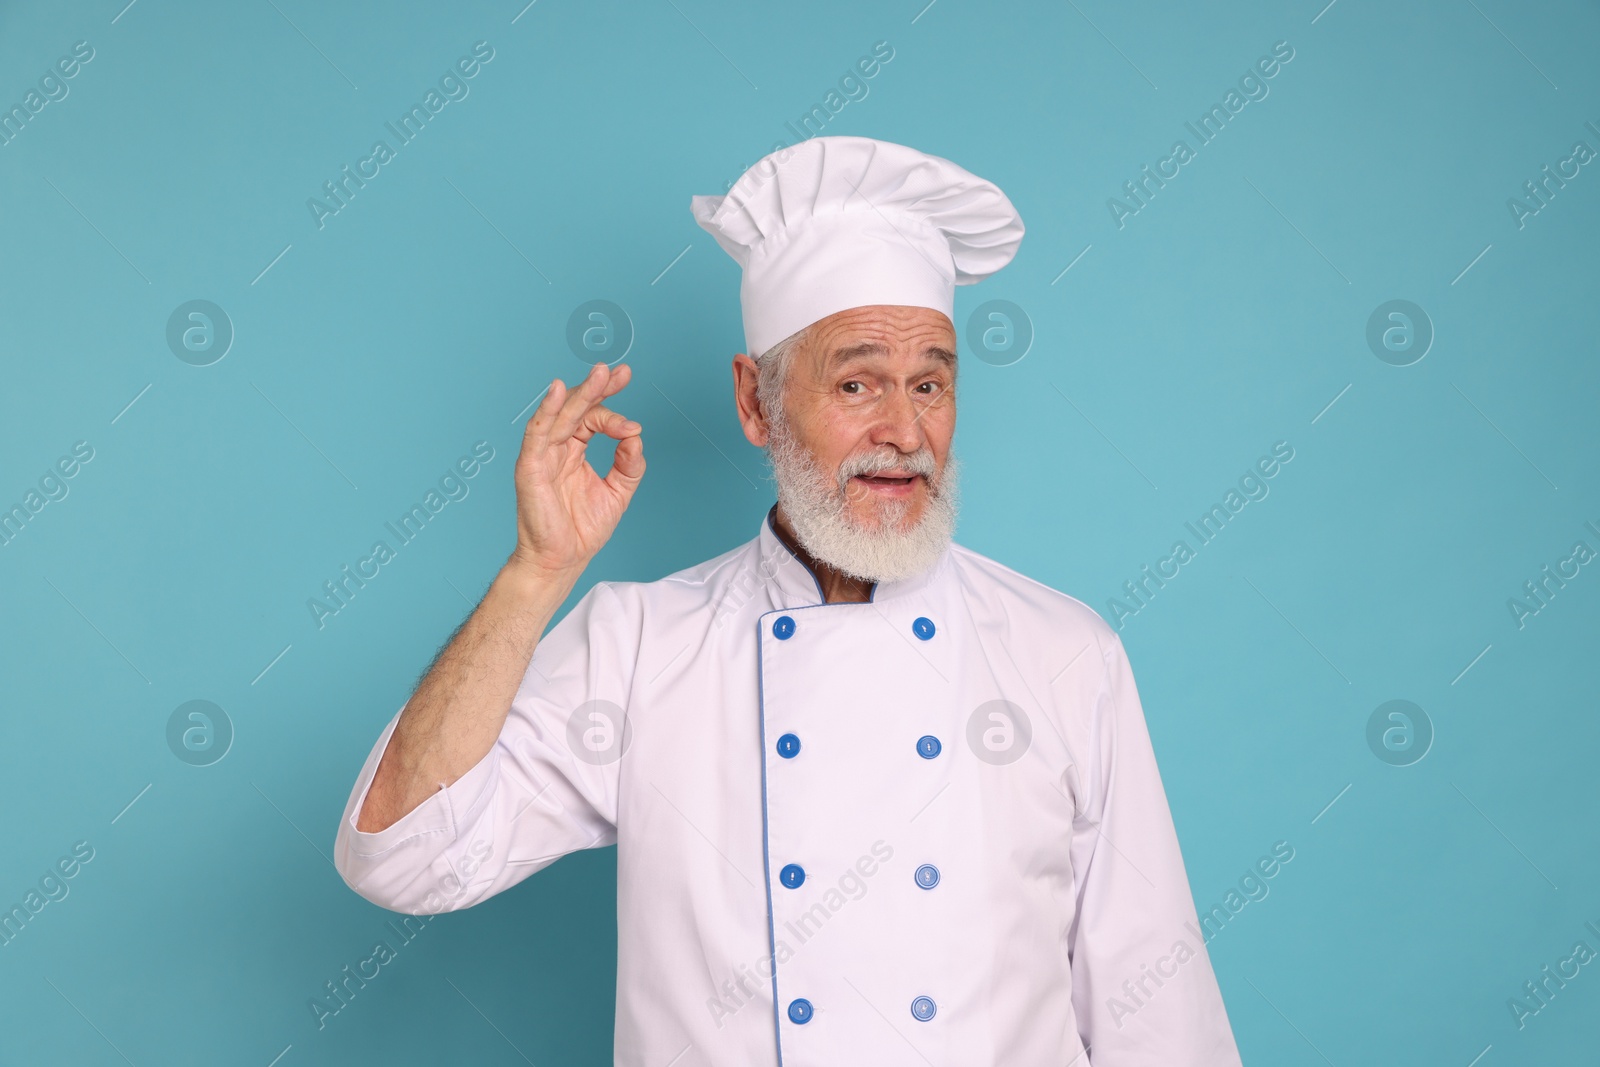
(841, 222)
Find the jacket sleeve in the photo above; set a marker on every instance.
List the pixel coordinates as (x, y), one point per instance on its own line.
(548, 786)
(1143, 988)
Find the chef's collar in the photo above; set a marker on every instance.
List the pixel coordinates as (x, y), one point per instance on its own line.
(795, 585)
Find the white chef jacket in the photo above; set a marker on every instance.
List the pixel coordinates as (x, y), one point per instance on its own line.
(924, 830)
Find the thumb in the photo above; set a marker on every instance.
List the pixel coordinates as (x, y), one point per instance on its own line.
(627, 467)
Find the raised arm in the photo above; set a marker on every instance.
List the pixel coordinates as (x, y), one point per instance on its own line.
(565, 513)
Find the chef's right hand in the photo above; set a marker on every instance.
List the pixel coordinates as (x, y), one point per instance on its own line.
(565, 511)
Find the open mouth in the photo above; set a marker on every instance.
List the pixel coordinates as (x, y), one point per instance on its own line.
(888, 484)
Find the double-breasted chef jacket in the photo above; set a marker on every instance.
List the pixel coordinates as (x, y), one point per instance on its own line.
(927, 829)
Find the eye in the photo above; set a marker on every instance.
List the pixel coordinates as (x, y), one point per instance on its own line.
(851, 387)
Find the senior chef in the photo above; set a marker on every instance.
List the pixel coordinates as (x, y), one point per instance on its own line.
(877, 799)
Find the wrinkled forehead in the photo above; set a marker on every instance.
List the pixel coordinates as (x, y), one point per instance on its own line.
(851, 352)
(911, 336)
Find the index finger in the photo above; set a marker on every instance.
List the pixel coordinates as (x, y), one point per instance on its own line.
(621, 375)
(538, 427)
(593, 390)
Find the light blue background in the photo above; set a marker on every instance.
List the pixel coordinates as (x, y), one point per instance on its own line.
(1223, 317)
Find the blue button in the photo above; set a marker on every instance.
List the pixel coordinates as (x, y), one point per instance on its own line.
(927, 876)
(783, 627)
(922, 627)
(792, 875)
(788, 746)
(800, 1010)
(928, 746)
(923, 1008)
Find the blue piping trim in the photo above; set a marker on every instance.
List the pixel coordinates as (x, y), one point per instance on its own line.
(872, 593)
(761, 712)
(766, 861)
(766, 857)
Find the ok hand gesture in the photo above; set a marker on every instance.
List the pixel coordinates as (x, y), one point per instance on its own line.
(565, 511)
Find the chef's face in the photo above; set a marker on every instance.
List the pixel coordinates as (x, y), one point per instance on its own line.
(870, 396)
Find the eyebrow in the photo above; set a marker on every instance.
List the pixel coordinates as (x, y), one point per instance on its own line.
(876, 348)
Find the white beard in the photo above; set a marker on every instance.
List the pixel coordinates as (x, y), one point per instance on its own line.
(816, 505)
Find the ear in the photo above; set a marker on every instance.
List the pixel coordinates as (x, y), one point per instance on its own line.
(751, 418)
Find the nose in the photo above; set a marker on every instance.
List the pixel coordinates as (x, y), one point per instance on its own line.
(898, 422)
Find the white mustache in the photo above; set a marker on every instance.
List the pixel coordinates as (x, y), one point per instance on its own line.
(870, 464)
(821, 513)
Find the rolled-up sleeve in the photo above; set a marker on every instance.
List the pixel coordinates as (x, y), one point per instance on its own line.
(546, 788)
(1143, 988)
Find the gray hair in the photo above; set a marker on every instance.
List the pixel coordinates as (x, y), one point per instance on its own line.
(773, 371)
